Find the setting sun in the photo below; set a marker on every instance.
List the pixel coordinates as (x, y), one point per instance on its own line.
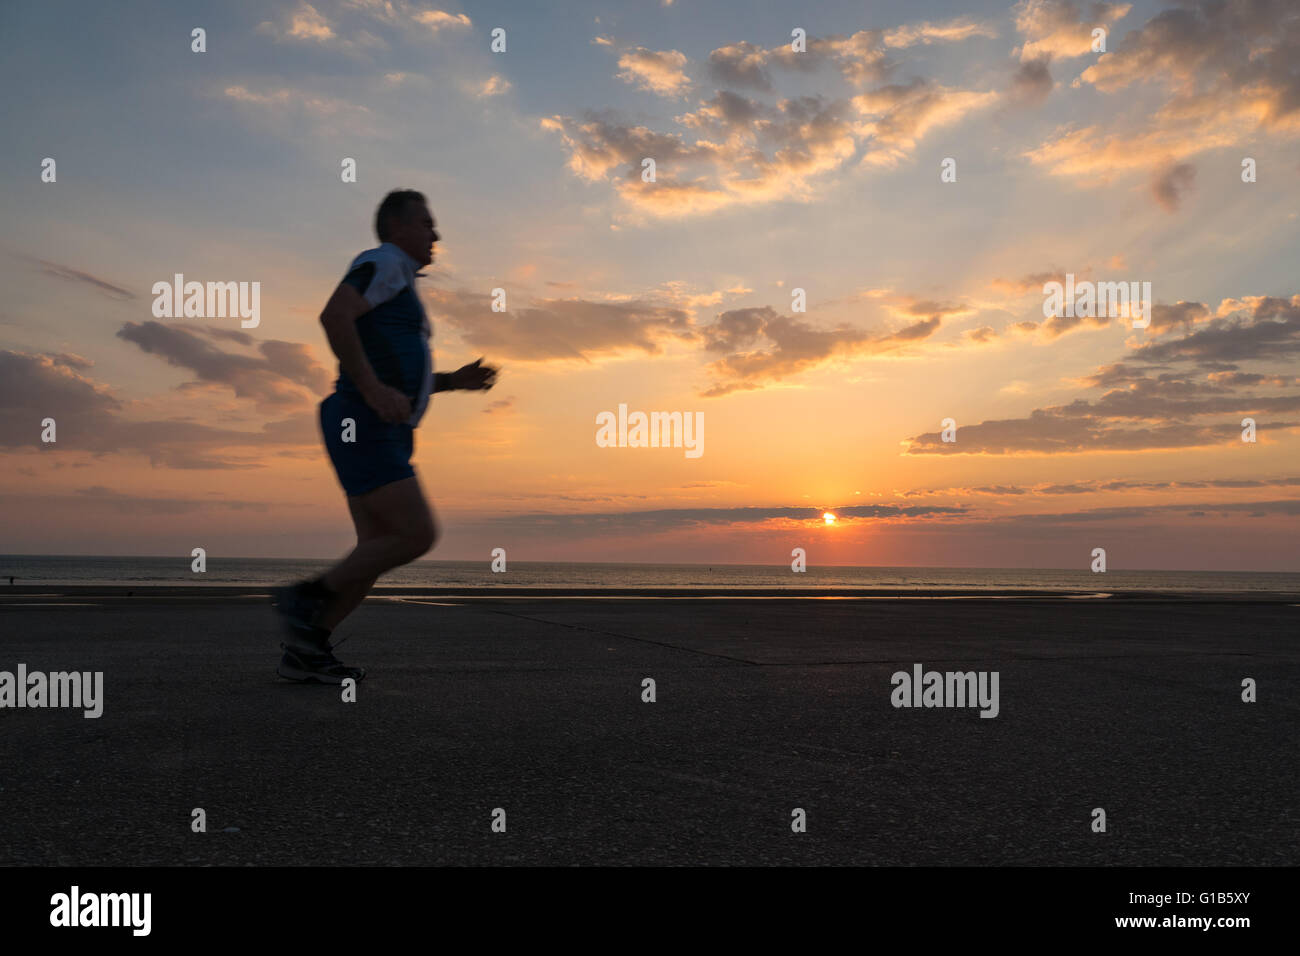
(828, 517)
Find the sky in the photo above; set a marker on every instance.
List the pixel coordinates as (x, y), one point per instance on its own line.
(919, 170)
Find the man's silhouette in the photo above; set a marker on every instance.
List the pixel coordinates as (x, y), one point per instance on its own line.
(378, 329)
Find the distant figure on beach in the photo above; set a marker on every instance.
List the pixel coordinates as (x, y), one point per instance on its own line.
(377, 328)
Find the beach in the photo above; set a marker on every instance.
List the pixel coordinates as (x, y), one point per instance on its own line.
(532, 702)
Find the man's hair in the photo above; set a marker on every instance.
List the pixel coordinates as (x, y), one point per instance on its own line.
(393, 208)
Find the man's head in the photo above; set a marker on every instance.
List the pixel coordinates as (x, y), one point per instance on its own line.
(403, 219)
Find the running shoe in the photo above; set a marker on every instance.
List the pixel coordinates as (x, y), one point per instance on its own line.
(320, 666)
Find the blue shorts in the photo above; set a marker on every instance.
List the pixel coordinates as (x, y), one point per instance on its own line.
(380, 452)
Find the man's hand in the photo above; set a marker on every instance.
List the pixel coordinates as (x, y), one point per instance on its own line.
(388, 403)
(474, 376)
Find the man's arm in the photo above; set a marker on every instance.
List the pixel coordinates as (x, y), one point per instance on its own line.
(472, 377)
(339, 318)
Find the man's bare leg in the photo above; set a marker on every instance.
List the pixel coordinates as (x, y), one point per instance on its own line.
(394, 527)
(344, 604)
(349, 598)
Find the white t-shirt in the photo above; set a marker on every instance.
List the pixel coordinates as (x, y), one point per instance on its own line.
(394, 273)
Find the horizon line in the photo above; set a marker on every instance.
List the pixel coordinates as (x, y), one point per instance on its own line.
(674, 564)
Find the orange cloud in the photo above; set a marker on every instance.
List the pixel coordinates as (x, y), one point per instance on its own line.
(660, 72)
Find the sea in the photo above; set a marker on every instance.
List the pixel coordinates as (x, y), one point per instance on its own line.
(267, 572)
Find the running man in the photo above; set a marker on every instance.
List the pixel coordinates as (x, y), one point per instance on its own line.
(378, 329)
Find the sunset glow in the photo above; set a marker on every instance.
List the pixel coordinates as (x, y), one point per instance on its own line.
(836, 257)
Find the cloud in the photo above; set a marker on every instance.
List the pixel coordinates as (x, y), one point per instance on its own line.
(778, 154)
(1032, 82)
(908, 307)
(1225, 73)
(658, 520)
(89, 418)
(737, 329)
(764, 347)
(283, 375)
(1203, 48)
(35, 387)
(70, 360)
(1057, 325)
(1149, 404)
(1096, 155)
(1051, 432)
(1270, 330)
(1062, 28)
(76, 275)
(684, 295)
(648, 522)
(861, 56)
(1248, 379)
(661, 72)
(1117, 373)
(598, 145)
(561, 329)
(345, 30)
(303, 23)
(748, 151)
(400, 13)
(907, 112)
(285, 100)
(961, 28)
(1103, 486)
(579, 329)
(741, 64)
(1286, 507)
(1033, 282)
(306, 23)
(437, 20)
(1164, 318)
(1171, 186)
(1180, 315)
(494, 85)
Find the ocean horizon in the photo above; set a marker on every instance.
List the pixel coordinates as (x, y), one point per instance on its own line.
(265, 572)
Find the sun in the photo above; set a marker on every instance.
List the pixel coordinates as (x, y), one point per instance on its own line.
(828, 517)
